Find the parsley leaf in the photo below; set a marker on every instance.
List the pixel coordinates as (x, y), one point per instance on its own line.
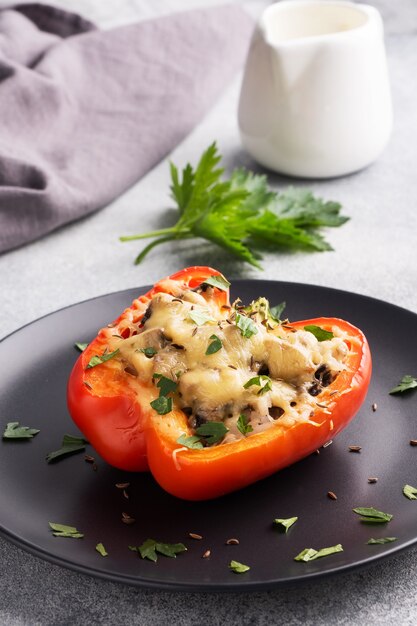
(238, 568)
(214, 346)
(320, 333)
(162, 405)
(80, 346)
(382, 540)
(241, 214)
(164, 384)
(14, 431)
(410, 492)
(217, 281)
(263, 382)
(407, 382)
(61, 530)
(369, 515)
(277, 310)
(98, 360)
(213, 432)
(101, 549)
(285, 524)
(149, 352)
(70, 445)
(193, 442)
(201, 317)
(310, 554)
(243, 425)
(246, 326)
(150, 548)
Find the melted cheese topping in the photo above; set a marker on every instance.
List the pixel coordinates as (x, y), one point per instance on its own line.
(211, 387)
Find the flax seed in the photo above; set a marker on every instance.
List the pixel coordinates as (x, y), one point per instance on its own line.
(195, 536)
(331, 495)
(232, 542)
(355, 448)
(372, 480)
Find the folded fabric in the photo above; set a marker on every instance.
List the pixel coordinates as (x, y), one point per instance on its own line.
(86, 113)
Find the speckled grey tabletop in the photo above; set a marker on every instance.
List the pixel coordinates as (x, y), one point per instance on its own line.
(375, 254)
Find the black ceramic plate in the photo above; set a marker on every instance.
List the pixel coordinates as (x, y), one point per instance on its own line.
(36, 361)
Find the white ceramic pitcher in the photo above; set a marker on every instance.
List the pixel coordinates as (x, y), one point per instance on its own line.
(315, 100)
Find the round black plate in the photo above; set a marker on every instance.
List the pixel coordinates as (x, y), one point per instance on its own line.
(36, 361)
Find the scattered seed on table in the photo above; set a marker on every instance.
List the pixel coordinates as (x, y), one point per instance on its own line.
(89, 459)
(122, 485)
(232, 542)
(413, 442)
(372, 479)
(328, 443)
(95, 467)
(206, 554)
(331, 495)
(355, 448)
(195, 536)
(125, 494)
(317, 451)
(374, 407)
(127, 519)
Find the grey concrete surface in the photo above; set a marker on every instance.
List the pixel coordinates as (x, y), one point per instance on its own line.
(375, 254)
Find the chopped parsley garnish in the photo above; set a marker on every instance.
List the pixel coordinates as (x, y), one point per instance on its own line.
(162, 405)
(242, 214)
(381, 540)
(98, 360)
(217, 281)
(406, 384)
(212, 432)
(286, 523)
(150, 548)
(410, 492)
(369, 515)
(149, 352)
(61, 530)
(320, 333)
(243, 425)
(70, 445)
(310, 554)
(238, 568)
(277, 310)
(164, 384)
(80, 346)
(214, 346)
(193, 442)
(246, 326)
(200, 317)
(13, 430)
(263, 382)
(209, 434)
(101, 549)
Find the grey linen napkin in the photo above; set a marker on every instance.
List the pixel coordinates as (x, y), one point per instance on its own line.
(85, 113)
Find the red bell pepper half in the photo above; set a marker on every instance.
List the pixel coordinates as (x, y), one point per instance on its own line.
(129, 434)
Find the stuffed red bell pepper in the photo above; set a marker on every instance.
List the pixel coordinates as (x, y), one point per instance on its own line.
(214, 396)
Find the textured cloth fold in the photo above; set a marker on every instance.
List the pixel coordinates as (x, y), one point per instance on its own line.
(86, 113)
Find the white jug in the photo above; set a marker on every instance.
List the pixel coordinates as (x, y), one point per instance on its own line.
(315, 99)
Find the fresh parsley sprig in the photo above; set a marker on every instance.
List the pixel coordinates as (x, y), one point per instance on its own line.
(241, 214)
